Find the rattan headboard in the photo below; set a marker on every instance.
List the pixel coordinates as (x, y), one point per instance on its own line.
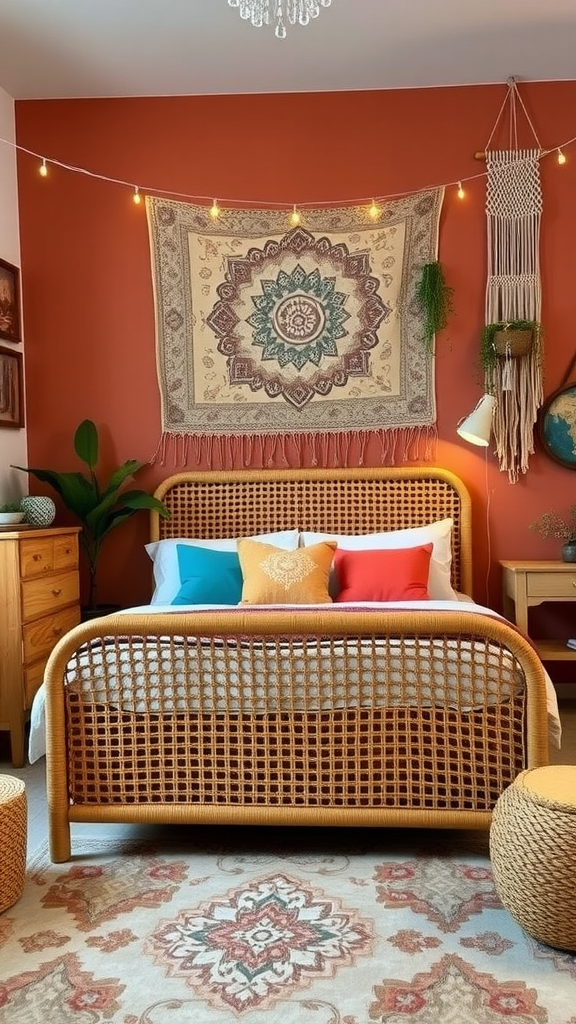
(348, 501)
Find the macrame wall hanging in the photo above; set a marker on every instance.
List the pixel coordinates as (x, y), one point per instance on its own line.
(513, 291)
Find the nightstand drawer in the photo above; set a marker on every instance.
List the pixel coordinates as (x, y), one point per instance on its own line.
(552, 585)
(48, 594)
(41, 636)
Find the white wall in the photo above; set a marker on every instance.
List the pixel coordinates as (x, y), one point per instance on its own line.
(12, 442)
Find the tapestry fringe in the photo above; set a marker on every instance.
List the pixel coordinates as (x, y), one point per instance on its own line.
(328, 449)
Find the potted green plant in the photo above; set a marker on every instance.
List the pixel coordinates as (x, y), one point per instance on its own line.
(552, 525)
(99, 508)
(435, 298)
(512, 338)
(10, 513)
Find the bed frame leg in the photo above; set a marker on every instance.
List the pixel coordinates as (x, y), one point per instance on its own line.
(59, 838)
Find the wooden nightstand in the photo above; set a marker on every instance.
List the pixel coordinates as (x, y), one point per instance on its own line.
(526, 584)
(39, 602)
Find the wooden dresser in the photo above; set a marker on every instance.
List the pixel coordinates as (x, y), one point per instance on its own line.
(39, 602)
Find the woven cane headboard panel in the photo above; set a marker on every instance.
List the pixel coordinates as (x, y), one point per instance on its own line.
(348, 501)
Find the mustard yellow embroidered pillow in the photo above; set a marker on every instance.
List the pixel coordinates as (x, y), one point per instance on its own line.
(274, 576)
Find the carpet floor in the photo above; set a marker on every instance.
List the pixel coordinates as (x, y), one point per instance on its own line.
(273, 926)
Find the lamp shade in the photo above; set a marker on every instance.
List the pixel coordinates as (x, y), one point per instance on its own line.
(477, 427)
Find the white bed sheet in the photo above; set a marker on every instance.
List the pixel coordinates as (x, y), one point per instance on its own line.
(37, 741)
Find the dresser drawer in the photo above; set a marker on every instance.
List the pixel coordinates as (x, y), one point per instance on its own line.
(36, 556)
(552, 585)
(41, 636)
(49, 593)
(33, 679)
(66, 551)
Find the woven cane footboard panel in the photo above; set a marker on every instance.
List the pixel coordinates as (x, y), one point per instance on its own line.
(417, 758)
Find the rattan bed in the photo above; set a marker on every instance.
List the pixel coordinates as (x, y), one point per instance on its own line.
(270, 724)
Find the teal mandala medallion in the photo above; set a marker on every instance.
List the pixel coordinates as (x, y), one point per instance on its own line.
(298, 317)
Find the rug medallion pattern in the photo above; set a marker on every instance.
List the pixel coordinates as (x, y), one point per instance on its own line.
(275, 927)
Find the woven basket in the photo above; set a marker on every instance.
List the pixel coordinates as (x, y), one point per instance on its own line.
(13, 821)
(533, 853)
(513, 343)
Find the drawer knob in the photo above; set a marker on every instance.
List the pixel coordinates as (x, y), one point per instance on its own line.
(36, 558)
(56, 591)
(57, 630)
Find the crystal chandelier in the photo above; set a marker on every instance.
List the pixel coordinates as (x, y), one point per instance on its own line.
(262, 12)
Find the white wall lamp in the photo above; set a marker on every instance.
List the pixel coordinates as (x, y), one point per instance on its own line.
(477, 427)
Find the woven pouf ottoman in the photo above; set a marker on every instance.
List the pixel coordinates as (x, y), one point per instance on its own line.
(533, 853)
(13, 822)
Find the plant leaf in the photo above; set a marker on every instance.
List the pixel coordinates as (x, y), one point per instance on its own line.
(86, 443)
(76, 491)
(126, 470)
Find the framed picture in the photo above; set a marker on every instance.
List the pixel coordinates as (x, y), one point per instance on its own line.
(11, 389)
(9, 302)
(557, 426)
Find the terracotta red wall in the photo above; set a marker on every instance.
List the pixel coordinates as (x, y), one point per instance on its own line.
(88, 311)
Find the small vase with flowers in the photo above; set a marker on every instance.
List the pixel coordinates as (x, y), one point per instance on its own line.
(552, 525)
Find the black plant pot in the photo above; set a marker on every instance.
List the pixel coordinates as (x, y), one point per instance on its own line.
(87, 614)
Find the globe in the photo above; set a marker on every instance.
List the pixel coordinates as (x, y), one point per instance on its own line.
(558, 426)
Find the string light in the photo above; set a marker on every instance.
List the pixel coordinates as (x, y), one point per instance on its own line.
(136, 198)
(374, 211)
(295, 216)
(214, 210)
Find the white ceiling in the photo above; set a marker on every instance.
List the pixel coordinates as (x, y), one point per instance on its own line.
(91, 48)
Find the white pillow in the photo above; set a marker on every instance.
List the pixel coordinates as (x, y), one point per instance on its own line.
(164, 555)
(439, 534)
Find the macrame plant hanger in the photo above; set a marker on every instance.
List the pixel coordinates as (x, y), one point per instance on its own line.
(513, 288)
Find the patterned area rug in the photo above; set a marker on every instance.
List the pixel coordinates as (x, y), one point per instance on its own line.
(275, 926)
(313, 333)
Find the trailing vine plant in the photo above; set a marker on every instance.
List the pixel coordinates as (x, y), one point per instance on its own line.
(435, 298)
(488, 354)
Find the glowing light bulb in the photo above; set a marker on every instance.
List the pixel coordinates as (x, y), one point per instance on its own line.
(43, 169)
(294, 217)
(215, 210)
(561, 157)
(374, 211)
(461, 192)
(136, 198)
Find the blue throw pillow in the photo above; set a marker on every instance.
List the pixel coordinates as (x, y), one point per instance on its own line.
(207, 576)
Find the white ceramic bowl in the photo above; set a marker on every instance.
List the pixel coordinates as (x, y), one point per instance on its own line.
(11, 518)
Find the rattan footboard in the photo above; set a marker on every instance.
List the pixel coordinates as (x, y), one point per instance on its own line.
(408, 718)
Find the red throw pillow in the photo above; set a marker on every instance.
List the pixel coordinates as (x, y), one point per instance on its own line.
(392, 574)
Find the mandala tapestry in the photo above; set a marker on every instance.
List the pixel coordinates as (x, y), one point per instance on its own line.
(308, 338)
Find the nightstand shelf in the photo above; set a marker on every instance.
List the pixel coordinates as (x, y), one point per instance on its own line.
(530, 583)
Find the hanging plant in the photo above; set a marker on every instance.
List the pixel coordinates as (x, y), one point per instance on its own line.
(493, 341)
(435, 298)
